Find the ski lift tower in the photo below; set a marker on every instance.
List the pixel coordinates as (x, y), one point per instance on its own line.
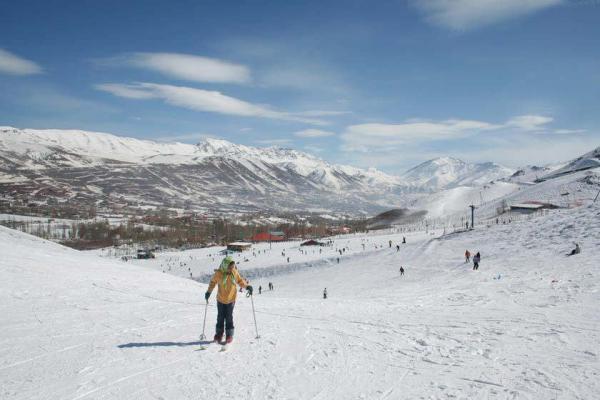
(472, 206)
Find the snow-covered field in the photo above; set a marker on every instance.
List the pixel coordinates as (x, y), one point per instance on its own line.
(526, 325)
(266, 259)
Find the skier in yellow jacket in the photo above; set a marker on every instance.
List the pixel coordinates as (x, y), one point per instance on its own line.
(226, 277)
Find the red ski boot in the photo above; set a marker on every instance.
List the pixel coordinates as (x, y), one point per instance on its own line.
(218, 338)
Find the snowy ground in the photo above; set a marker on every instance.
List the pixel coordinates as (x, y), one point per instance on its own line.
(78, 326)
(266, 259)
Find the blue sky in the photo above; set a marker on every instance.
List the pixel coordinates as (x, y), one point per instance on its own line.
(385, 84)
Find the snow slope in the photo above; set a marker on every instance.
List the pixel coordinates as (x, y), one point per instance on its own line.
(78, 326)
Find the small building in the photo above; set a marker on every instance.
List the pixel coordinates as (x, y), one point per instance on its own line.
(529, 207)
(144, 254)
(275, 236)
(524, 208)
(312, 242)
(239, 246)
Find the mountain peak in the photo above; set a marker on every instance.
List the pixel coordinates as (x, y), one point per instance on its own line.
(446, 172)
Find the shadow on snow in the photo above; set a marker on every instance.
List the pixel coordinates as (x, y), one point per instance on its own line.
(165, 344)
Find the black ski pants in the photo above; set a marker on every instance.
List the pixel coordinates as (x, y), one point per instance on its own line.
(225, 318)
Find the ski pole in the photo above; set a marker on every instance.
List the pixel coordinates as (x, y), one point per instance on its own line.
(202, 337)
(254, 314)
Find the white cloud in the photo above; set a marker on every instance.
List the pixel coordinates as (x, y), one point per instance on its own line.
(374, 135)
(371, 136)
(15, 65)
(568, 131)
(520, 140)
(201, 100)
(313, 133)
(538, 150)
(185, 66)
(127, 91)
(529, 122)
(469, 14)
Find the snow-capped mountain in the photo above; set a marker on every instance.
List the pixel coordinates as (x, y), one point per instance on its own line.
(531, 173)
(587, 161)
(212, 175)
(447, 172)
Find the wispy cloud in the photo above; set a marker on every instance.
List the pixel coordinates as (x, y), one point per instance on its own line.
(520, 140)
(365, 137)
(136, 91)
(201, 100)
(375, 135)
(469, 14)
(313, 133)
(184, 66)
(569, 131)
(12, 64)
(529, 123)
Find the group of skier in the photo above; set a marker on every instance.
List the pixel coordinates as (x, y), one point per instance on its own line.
(476, 259)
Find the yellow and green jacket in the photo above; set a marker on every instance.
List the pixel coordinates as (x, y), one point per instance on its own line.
(227, 290)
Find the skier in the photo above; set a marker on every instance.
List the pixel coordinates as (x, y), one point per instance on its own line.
(226, 277)
(467, 256)
(401, 271)
(403, 240)
(576, 250)
(325, 293)
(397, 248)
(476, 260)
(259, 289)
(390, 242)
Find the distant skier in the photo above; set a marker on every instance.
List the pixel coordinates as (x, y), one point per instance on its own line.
(259, 289)
(576, 250)
(401, 271)
(403, 240)
(338, 260)
(467, 256)
(390, 242)
(226, 277)
(325, 293)
(397, 248)
(476, 261)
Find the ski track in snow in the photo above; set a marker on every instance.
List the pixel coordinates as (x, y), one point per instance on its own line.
(77, 326)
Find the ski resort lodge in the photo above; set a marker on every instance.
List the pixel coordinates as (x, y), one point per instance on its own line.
(530, 207)
(239, 246)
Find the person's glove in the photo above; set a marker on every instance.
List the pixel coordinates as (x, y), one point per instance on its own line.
(206, 295)
(249, 289)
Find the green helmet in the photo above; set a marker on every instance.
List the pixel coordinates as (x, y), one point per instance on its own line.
(225, 263)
